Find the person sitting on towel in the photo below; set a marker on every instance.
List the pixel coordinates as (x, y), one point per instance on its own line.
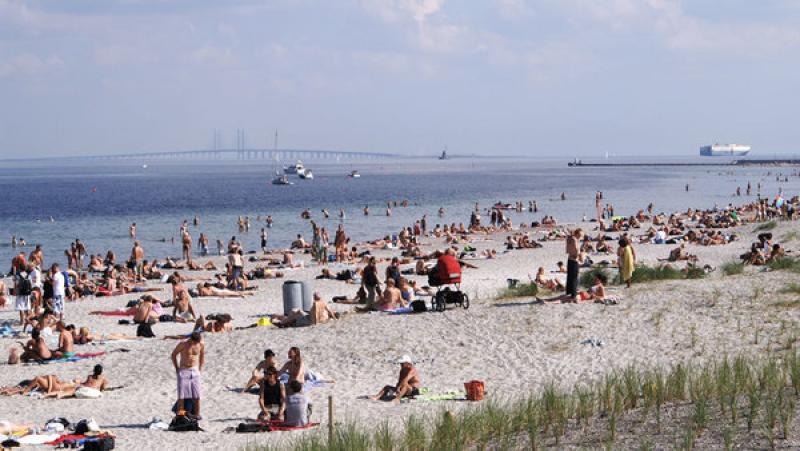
(296, 413)
(408, 383)
(272, 396)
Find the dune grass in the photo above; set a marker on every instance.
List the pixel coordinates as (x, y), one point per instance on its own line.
(732, 268)
(587, 277)
(744, 398)
(765, 226)
(644, 273)
(521, 290)
(784, 264)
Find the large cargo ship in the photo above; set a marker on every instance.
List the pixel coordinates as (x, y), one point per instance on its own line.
(725, 150)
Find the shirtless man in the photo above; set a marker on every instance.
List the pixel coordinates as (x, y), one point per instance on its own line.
(391, 298)
(137, 257)
(182, 310)
(36, 348)
(321, 312)
(408, 383)
(66, 344)
(187, 246)
(294, 368)
(205, 289)
(187, 369)
(145, 312)
(258, 372)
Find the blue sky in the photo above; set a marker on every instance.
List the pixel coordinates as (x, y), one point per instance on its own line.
(528, 77)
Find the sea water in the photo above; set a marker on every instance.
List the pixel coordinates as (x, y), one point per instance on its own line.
(98, 202)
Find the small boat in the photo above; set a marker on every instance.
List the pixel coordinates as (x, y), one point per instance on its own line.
(354, 175)
(443, 156)
(297, 168)
(306, 174)
(281, 180)
(502, 206)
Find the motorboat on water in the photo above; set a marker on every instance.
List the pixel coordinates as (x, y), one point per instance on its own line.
(306, 174)
(281, 179)
(296, 168)
(354, 175)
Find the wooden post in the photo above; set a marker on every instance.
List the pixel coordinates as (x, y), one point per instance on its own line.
(330, 420)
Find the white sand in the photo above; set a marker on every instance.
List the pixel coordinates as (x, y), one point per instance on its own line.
(514, 348)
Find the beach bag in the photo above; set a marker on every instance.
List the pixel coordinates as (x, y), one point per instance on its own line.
(475, 390)
(165, 318)
(253, 427)
(144, 330)
(99, 444)
(24, 286)
(419, 306)
(84, 426)
(182, 423)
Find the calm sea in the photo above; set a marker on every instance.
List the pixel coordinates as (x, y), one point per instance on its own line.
(97, 203)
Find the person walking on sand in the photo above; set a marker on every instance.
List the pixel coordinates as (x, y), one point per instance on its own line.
(573, 267)
(627, 261)
(188, 359)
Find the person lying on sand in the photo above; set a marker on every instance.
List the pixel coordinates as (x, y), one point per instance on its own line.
(258, 371)
(94, 383)
(596, 292)
(50, 385)
(205, 289)
(408, 383)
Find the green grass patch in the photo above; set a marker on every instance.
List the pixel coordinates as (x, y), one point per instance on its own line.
(733, 268)
(763, 227)
(587, 277)
(522, 290)
(791, 288)
(644, 273)
(790, 236)
(703, 397)
(784, 264)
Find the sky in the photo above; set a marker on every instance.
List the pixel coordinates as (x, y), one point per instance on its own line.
(539, 78)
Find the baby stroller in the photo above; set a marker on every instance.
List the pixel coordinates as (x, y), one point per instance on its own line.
(446, 273)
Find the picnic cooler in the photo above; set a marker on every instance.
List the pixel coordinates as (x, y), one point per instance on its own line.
(475, 390)
(292, 296)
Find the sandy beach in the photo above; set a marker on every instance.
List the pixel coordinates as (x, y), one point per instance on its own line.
(514, 345)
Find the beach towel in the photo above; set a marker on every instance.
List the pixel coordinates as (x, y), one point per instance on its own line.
(37, 439)
(400, 311)
(75, 358)
(426, 396)
(277, 425)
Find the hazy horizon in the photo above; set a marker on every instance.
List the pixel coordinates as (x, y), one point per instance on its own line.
(544, 78)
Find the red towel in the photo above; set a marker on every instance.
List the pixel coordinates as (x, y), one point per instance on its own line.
(130, 312)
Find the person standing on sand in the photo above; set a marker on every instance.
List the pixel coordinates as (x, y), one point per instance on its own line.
(57, 281)
(187, 369)
(187, 246)
(627, 261)
(137, 257)
(573, 267)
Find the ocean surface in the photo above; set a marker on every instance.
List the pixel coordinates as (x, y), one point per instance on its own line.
(97, 203)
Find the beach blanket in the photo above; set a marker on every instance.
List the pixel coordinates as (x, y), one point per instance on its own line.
(126, 312)
(279, 426)
(453, 395)
(74, 358)
(312, 380)
(78, 439)
(400, 311)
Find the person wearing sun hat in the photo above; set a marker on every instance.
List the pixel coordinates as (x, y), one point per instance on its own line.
(408, 383)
